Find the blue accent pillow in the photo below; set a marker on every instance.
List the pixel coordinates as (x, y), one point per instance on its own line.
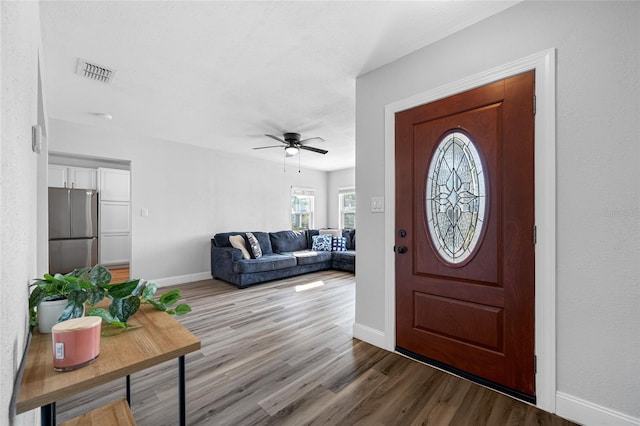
(339, 244)
(321, 243)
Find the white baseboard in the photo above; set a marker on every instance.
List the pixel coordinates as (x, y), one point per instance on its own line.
(369, 335)
(590, 414)
(182, 279)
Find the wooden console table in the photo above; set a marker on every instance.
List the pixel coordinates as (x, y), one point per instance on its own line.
(159, 338)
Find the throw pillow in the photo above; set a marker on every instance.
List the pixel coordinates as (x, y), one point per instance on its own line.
(255, 245)
(237, 241)
(339, 244)
(332, 232)
(321, 242)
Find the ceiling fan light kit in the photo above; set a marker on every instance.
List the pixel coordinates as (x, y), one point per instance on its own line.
(293, 144)
(291, 150)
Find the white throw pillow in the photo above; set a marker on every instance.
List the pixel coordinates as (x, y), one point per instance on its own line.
(237, 241)
(332, 232)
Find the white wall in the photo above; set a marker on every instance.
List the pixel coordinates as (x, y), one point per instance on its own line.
(598, 206)
(20, 29)
(338, 179)
(191, 194)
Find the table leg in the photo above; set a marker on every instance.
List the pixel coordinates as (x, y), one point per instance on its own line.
(48, 414)
(182, 391)
(129, 390)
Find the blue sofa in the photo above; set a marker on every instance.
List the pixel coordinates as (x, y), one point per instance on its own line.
(284, 254)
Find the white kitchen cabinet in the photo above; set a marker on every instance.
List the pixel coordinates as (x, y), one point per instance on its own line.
(114, 249)
(114, 185)
(58, 176)
(72, 177)
(84, 178)
(114, 216)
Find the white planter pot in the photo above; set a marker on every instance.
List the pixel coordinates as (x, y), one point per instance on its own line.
(48, 313)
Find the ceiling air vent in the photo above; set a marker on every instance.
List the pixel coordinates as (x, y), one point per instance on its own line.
(95, 71)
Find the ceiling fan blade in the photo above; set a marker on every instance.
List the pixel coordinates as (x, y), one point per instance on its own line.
(278, 139)
(310, 148)
(270, 146)
(317, 138)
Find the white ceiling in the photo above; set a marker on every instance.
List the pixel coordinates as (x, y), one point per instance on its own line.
(221, 74)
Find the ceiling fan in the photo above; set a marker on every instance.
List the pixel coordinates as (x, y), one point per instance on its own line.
(293, 144)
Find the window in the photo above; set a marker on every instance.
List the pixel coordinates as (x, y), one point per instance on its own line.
(455, 197)
(347, 208)
(302, 208)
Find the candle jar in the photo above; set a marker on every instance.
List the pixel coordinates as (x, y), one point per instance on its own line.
(76, 343)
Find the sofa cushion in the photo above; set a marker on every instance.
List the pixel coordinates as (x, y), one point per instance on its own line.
(264, 241)
(266, 263)
(237, 241)
(350, 235)
(288, 241)
(344, 256)
(310, 234)
(308, 257)
(256, 251)
(321, 242)
(344, 260)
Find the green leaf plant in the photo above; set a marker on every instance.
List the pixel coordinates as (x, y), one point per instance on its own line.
(89, 286)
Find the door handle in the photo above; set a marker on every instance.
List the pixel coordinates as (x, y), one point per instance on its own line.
(400, 249)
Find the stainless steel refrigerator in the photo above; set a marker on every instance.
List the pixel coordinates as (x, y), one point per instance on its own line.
(73, 229)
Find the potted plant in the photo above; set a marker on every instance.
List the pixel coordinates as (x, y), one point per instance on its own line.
(60, 297)
(91, 286)
(126, 299)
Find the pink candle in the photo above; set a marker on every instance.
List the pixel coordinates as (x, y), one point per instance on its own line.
(76, 343)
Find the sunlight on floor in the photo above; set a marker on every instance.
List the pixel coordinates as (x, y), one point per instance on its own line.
(309, 286)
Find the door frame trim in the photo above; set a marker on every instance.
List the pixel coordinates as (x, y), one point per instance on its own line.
(544, 64)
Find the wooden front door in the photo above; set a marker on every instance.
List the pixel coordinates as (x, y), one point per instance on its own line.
(465, 234)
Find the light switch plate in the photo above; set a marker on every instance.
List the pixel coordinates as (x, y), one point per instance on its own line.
(377, 204)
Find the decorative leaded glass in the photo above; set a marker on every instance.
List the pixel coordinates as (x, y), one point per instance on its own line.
(455, 197)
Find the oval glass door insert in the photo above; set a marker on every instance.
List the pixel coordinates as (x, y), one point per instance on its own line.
(455, 197)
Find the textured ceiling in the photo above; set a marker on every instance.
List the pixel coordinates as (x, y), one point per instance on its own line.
(221, 74)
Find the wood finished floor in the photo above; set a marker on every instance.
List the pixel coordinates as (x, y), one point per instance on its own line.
(119, 275)
(272, 355)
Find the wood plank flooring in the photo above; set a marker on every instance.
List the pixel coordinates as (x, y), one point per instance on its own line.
(272, 355)
(119, 275)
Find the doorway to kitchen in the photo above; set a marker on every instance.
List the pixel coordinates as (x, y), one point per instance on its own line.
(110, 181)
